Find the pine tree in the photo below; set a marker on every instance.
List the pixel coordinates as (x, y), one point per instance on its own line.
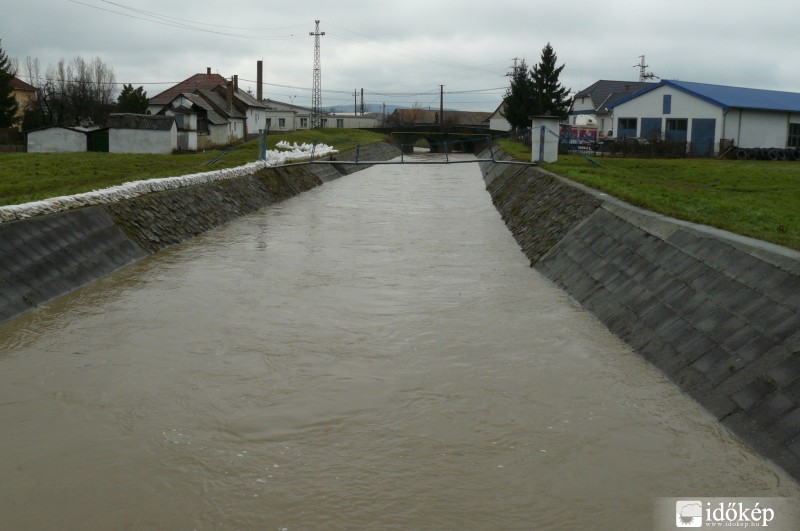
(132, 100)
(549, 97)
(8, 104)
(518, 98)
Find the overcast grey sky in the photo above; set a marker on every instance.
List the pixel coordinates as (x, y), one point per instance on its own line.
(399, 52)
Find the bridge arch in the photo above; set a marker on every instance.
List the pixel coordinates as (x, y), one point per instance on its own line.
(452, 139)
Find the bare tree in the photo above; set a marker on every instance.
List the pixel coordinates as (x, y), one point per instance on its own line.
(75, 93)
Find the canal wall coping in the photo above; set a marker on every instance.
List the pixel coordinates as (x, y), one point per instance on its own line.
(718, 313)
(48, 255)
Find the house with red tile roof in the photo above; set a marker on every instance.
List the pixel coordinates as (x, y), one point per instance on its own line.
(205, 81)
(24, 94)
(225, 113)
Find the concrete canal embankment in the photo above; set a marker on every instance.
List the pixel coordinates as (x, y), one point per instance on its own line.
(46, 256)
(718, 313)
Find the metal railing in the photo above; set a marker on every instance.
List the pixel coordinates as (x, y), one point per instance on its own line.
(447, 160)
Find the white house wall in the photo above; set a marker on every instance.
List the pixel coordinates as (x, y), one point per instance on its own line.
(56, 140)
(142, 141)
(499, 123)
(353, 122)
(187, 140)
(256, 119)
(235, 130)
(217, 136)
(275, 118)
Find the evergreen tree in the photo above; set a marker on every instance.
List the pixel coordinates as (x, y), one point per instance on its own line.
(519, 98)
(8, 104)
(132, 100)
(549, 97)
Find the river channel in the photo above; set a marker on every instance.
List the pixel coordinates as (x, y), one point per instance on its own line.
(373, 354)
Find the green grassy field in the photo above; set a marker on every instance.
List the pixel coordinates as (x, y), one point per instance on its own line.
(28, 177)
(760, 199)
(754, 198)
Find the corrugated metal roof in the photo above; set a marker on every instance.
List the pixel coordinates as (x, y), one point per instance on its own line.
(145, 122)
(745, 98)
(733, 97)
(220, 104)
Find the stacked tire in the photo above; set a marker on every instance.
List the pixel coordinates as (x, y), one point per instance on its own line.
(768, 154)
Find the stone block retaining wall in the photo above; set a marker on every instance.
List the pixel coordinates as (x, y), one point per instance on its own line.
(44, 256)
(718, 313)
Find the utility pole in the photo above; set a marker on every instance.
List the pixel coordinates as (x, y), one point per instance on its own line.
(644, 75)
(316, 97)
(441, 106)
(355, 102)
(362, 102)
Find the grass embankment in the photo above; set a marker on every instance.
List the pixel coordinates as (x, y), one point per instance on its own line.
(28, 177)
(760, 199)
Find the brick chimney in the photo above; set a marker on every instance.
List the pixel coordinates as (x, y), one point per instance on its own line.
(236, 83)
(208, 70)
(230, 95)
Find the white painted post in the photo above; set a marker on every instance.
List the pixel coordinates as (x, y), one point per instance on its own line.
(544, 139)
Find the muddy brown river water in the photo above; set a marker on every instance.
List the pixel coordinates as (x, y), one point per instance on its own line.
(373, 354)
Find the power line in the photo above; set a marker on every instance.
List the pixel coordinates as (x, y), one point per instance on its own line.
(176, 23)
(33, 79)
(182, 20)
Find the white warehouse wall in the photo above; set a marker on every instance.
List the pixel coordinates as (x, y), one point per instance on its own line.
(684, 106)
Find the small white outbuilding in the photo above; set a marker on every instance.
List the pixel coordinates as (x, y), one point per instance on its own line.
(142, 133)
(57, 139)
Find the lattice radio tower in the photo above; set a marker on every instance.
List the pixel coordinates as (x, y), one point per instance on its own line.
(644, 75)
(316, 97)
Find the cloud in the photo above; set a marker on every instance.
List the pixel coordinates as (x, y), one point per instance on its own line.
(414, 46)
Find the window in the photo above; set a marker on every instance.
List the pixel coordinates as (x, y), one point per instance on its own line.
(324, 122)
(303, 122)
(676, 130)
(667, 104)
(340, 122)
(282, 123)
(626, 127)
(794, 136)
(269, 123)
(651, 128)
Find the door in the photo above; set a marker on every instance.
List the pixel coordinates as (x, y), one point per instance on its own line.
(703, 136)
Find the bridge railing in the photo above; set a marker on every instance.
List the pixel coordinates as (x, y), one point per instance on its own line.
(447, 159)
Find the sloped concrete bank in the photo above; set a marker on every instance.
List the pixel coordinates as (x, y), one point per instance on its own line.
(718, 313)
(47, 256)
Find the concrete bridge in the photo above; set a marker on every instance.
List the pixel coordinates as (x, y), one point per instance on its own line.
(449, 139)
